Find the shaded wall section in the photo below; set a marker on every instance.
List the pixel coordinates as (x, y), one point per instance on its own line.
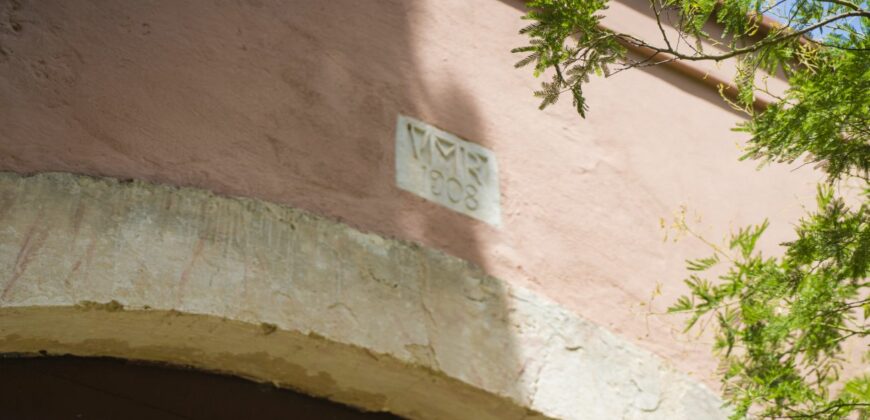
(101, 388)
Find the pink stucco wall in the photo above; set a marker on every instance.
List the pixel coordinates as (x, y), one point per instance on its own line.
(295, 102)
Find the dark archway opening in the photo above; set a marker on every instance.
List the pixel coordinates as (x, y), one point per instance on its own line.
(102, 388)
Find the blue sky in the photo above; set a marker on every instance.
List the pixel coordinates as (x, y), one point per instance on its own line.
(781, 13)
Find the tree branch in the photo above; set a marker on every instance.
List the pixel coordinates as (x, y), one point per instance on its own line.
(740, 51)
(845, 3)
(831, 407)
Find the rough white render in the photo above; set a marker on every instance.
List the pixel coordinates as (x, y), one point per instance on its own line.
(67, 240)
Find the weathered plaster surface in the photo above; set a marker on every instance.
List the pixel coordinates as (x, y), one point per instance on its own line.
(295, 102)
(433, 320)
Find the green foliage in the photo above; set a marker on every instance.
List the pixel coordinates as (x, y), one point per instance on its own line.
(780, 322)
(590, 51)
(568, 42)
(824, 115)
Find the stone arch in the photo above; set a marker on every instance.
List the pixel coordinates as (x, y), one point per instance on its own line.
(308, 363)
(100, 267)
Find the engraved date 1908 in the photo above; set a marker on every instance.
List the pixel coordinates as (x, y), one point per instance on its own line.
(445, 169)
(452, 171)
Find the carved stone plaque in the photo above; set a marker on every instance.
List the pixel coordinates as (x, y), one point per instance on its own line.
(450, 171)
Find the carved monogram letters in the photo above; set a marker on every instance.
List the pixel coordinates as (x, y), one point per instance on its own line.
(443, 168)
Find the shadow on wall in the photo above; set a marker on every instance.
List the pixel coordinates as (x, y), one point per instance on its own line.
(290, 102)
